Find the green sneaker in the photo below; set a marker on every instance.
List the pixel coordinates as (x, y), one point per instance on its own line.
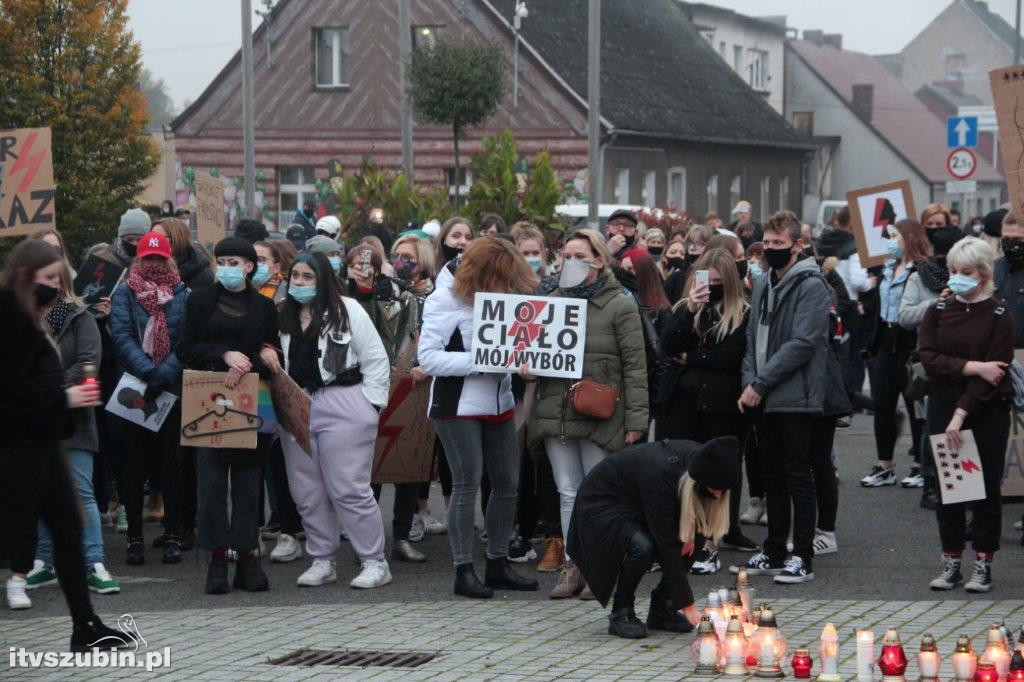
(41, 575)
(101, 582)
(122, 520)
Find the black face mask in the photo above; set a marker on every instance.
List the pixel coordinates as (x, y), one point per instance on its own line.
(691, 258)
(742, 266)
(943, 238)
(1013, 249)
(129, 248)
(655, 251)
(626, 279)
(630, 241)
(676, 263)
(45, 294)
(716, 292)
(778, 258)
(450, 252)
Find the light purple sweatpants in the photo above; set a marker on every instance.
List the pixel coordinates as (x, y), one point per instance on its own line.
(332, 486)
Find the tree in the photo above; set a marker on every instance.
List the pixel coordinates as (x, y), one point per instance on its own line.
(158, 101)
(457, 83)
(72, 65)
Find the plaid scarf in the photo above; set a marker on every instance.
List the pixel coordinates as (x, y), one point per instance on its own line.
(586, 290)
(153, 285)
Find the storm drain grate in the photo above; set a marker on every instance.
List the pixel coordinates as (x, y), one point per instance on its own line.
(361, 659)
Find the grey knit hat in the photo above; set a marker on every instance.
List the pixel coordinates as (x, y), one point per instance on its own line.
(134, 221)
(322, 244)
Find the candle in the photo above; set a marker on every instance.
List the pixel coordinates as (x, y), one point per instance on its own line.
(771, 645)
(965, 663)
(986, 672)
(746, 592)
(893, 661)
(705, 647)
(801, 663)
(995, 650)
(865, 655)
(735, 650)
(828, 652)
(928, 660)
(1016, 673)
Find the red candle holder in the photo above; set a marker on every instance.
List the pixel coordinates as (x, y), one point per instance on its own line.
(1016, 672)
(802, 664)
(893, 661)
(986, 672)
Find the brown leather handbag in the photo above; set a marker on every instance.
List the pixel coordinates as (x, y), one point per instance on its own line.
(594, 399)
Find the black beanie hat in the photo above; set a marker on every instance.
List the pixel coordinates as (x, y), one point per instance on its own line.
(236, 246)
(993, 222)
(251, 230)
(716, 464)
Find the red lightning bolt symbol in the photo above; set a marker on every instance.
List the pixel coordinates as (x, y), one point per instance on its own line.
(970, 467)
(391, 432)
(27, 161)
(532, 329)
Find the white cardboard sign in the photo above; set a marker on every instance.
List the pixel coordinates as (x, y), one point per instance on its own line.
(127, 402)
(958, 472)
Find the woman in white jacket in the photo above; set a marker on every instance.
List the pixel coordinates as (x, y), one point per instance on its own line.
(333, 352)
(474, 413)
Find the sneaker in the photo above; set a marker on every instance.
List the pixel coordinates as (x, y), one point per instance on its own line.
(271, 531)
(287, 549)
(320, 573)
(760, 564)
(843, 423)
(122, 519)
(914, 479)
(155, 508)
(431, 525)
(981, 576)
(706, 563)
(106, 520)
(825, 544)
(879, 476)
(417, 531)
(738, 541)
(570, 582)
(16, 597)
(795, 571)
(554, 556)
(1018, 525)
(755, 510)
(374, 574)
(41, 575)
(101, 582)
(520, 550)
(951, 576)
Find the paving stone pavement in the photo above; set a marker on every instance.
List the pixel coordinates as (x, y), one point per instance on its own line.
(485, 640)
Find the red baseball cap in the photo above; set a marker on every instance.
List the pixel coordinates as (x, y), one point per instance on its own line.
(153, 244)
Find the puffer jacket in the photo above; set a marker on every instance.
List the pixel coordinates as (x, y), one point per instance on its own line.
(614, 355)
(78, 343)
(195, 271)
(128, 323)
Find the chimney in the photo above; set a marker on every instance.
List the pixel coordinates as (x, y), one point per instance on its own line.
(814, 36)
(833, 39)
(864, 100)
(954, 86)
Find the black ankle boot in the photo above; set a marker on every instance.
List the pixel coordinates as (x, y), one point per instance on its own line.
(623, 622)
(249, 575)
(217, 574)
(500, 576)
(664, 616)
(468, 585)
(172, 552)
(93, 633)
(136, 553)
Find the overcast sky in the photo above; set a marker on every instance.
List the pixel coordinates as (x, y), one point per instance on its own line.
(186, 42)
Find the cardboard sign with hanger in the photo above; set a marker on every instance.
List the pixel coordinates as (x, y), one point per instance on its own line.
(215, 416)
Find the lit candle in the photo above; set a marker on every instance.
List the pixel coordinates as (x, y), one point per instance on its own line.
(893, 661)
(735, 650)
(828, 652)
(995, 650)
(965, 663)
(928, 660)
(986, 672)
(1016, 673)
(706, 648)
(801, 663)
(865, 655)
(746, 592)
(771, 645)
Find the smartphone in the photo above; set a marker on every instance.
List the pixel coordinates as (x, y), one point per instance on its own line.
(365, 258)
(701, 278)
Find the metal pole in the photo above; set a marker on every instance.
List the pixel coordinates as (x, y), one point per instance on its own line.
(405, 51)
(515, 73)
(248, 119)
(1016, 34)
(594, 109)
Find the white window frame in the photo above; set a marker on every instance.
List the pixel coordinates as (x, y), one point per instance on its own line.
(766, 196)
(737, 58)
(757, 69)
(303, 190)
(784, 193)
(712, 194)
(339, 54)
(735, 189)
(649, 188)
(449, 175)
(622, 186)
(677, 193)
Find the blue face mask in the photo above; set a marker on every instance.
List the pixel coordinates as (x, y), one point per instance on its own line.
(262, 275)
(894, 249)
(335, 262)
(302, 294)
(230, 277)
(534, 262)
(755, 270)
(962, 284)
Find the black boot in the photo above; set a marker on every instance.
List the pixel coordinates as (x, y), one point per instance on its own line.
(500, 576)
(217, 574)
(664, 616)
(249, 575)
(623, 622)
(468, 585)
(136, 553)
(93, 633)
(172, 552)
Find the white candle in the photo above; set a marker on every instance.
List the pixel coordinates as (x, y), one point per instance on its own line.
(865, 655)
(1001, 658)
(708, 651)
(929, 663)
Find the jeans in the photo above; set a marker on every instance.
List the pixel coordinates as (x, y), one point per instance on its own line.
(888, 381)
(571, 461)
(287, 514)
(80, 463)
(784, 444)
(214, 467)
(470, 446)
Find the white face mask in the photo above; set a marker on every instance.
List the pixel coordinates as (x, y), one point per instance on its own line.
(573, 273)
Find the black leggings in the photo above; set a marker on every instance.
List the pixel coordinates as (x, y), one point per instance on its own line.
(140, 447)
(403, 509)
(888, 380)
(825, 483)
(755, 480)
(287, 514)
(637, 562)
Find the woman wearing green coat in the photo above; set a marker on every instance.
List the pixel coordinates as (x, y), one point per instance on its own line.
(613, 355)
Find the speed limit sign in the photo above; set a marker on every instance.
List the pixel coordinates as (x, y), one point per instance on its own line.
(961, 163)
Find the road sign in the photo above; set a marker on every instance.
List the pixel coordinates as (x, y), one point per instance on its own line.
(961, 131)
(961, 186)
(961, 163)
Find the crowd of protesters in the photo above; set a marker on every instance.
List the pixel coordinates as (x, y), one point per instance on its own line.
(740, 347)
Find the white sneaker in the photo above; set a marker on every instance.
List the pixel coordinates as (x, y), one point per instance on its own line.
(417, 530)
(825, 544)
(16, 597)
(122, 520)
(754, 511)
(374, 574)
(432, 525)
(287, 549)
(320, 573)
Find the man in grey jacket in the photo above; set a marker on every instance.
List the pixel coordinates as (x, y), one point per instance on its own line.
(785, 378)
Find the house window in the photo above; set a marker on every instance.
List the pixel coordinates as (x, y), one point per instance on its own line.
(804, 122)
(647, 194)
(735, 189)
(766, 197)
(295, 186)
(426, 36)
(621, 185)
(709, 36)
(784, 193)
(465, 180)
(713, 193)
(993, 204)
(722, 50)
(330, 57)
(955, 66)
(677, 188)
(757, 69)
(737, 58)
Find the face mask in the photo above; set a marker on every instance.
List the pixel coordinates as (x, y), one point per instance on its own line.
(691, 258)
(534, 262)
(302, 294)
(778, 258)
(894, 249)
(404, 269)
(262, 275)
(943, 238)
(45, 294)
(335, 262)
(129, 248)
(742, 267)
(230, 277)
(755, 270)
(716, 292)
(962, 284)
(1013, 249)
(655, 252)
(573, 273)
(630, 241)
(450, 252)
(676, 263)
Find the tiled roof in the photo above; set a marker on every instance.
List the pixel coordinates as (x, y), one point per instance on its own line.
(993, 21)
(949, 97)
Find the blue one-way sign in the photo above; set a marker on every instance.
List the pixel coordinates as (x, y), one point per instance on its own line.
(961, 131)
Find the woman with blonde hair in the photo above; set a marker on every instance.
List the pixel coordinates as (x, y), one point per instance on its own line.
(694, 244)
(51, 236)
(452, 240)
(673, 257)
(531, 244)
(652, 502)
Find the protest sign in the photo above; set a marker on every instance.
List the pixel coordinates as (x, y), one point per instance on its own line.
(546, 333)
(26, 181)
(404, 451)
(873, 212)
(958, 473)
(210, 222)
(215, 416)
(96, 279)
(127, 402)
(292, 407)
(1008, 98)
(1013, 468)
